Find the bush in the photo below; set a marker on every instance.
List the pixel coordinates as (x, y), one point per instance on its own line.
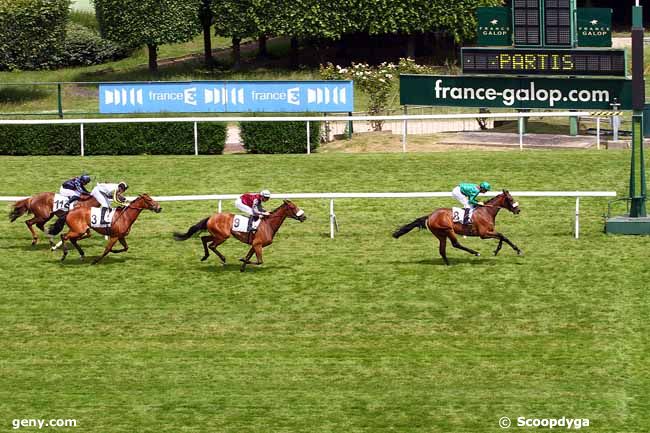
(32, 33)
(279, 137)
(84, 47)
(174, 138)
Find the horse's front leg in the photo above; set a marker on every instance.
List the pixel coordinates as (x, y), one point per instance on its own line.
(502, 238)
(107, 250)
(498, 246)
(246, 259)
(124, 244)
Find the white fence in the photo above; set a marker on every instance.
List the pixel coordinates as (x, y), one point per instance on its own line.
(307, 119)
(331, 196)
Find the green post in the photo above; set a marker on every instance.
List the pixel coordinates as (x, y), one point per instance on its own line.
(637, 165)
(350, 127)
(574, 127)
(59, 99)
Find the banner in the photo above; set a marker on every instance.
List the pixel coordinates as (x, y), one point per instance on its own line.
(493, 27)
(594, 27)
(515, 92)
(227, 97)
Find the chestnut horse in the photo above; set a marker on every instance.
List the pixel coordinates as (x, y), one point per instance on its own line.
(78, 219)
(41, 206)
(220, 224)
(441, 224)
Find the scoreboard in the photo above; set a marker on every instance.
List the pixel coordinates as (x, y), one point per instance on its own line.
(543, 22)
(546, 61)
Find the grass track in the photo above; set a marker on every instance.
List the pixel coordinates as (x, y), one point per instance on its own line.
(360, 334)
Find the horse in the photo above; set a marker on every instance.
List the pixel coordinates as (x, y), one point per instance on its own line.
(440, 224)
(79, 221)
(41, 206)
(220, 227)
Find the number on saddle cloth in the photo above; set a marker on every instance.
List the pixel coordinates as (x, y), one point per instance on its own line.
(240, 224)
(101, 217)
(458, 214)
(60, 203)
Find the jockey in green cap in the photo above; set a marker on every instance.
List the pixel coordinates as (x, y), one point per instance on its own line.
(467, 193)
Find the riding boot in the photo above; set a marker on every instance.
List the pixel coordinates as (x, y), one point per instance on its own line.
(466, 216)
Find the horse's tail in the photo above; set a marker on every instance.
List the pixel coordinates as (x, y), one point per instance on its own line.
(20, 208)
(201, 225)
(419, 223)
(56, 228)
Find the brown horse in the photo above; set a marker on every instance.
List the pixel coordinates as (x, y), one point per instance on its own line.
(220, 224)
(441, 224)
(78, 219)
(41, 206)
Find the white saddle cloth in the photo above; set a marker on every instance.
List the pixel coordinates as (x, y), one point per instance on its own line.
(240, 224)
(60, 202)
(458, 214)
(96, 220)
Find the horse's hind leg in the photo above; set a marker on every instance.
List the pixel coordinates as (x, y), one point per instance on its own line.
(442, 249)
(498, 247)
(76, 245)
(456, 244)
(206, 253)
(213, 246)
(29, 223)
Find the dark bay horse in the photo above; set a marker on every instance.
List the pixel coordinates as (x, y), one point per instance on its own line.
(220, 224)
(441, 224)
(41, 206)
(78, 219)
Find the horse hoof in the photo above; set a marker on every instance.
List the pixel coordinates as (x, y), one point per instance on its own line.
(82, 258)
(478, 254)
(520, 253)
(203, 259)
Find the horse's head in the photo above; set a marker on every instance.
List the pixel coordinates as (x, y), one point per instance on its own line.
(146, 202)
(294, 211)
(510, 203)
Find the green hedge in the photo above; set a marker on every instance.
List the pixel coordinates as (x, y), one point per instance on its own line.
(174, 138)
(279, 137)
(84, 47)
(32, 33)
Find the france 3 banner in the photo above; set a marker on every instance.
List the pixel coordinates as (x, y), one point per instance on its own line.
(227, 97)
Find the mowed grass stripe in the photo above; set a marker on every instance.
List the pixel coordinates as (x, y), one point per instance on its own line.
(362, 333)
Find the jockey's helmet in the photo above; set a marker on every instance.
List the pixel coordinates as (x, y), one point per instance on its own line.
(265, 193)
(84, 178)
(123, 185)
(485, 185)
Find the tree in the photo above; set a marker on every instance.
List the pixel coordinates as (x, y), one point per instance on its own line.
(236, 19)
(150, 22)
(206, 16)
(32, 33)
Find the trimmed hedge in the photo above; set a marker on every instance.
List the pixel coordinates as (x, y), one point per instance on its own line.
(84, 47)
(174, 138)
(32, 33)
(279, 137)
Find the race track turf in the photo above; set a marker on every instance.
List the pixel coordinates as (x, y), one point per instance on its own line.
(363, 333)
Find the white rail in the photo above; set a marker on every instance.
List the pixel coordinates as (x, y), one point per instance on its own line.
(307, 119)
(373, 195)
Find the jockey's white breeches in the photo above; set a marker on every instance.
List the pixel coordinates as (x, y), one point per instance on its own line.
(101, 198)
(455, 193)
(68, 192)
(242, 207)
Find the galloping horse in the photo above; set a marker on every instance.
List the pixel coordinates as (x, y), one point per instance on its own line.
(78, 219)
(441, 224)
(41, 206)
(219, 225)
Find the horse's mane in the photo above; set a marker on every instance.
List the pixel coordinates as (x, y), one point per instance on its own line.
(495, 197)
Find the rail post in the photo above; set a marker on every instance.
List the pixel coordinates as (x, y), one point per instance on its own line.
(405, 126)
(308, 141)
(196, 140)
(521, 133)
(81, 136)
(59, 100)
(219, 207)
(577, 229)
(597, 132)
(334, 225)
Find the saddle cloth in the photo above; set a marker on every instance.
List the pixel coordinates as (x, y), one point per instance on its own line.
(60, 202)
(458, 214)
(240, 224)
(101, 217)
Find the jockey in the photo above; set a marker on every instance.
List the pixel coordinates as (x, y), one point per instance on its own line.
(251, 205)
(75, 187)
(466, 194)
(109, 193)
